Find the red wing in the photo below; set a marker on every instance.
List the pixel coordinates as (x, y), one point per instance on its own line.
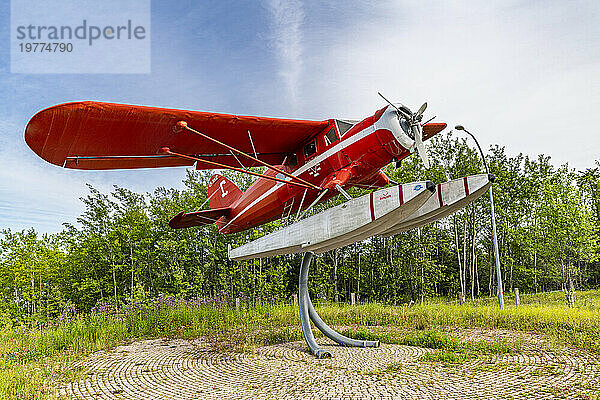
(93, 135)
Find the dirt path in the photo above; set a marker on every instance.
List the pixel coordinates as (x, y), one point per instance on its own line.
(180, 369)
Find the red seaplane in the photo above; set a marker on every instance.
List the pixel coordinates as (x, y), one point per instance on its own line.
(307, 161)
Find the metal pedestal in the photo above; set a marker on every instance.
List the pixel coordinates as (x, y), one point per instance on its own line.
(308, 313)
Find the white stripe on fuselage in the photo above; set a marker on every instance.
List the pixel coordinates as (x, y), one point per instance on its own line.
(319, 158)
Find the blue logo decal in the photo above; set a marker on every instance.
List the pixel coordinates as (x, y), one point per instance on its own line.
(418, 187)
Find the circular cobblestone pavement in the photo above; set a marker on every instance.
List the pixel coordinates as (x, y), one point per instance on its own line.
(184, 369)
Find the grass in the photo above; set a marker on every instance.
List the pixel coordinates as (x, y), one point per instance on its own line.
(29, 360)
(449, 357)
(455, 351)
(588, 299)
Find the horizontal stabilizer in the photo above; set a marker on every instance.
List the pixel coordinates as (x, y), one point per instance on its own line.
(198, 218)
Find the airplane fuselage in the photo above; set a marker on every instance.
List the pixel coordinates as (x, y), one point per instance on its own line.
(335, 156)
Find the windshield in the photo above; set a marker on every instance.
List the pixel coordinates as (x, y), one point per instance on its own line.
(344, 126)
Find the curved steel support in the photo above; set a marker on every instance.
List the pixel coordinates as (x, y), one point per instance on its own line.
(333, 335)
(303, 301)
(308, 313)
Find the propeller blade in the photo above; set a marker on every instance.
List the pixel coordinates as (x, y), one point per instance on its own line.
(406, 110)
(421, 110)
(389, 102)
(400, 111)
(429, 120)
(419, 146)
(422, 153)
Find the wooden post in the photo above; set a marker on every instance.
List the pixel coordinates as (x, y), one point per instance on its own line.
(517, 298)
(353, 298)
(295, 299)
(571, 296)
(237, 303)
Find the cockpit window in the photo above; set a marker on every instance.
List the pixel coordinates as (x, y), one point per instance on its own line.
(330, 136)
(310, 149)
(292, 160)
(344, 126)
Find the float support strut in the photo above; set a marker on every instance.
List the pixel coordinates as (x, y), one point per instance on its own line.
(308, 313)
(303, 305)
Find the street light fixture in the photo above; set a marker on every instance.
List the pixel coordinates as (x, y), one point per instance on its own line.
(496, 252)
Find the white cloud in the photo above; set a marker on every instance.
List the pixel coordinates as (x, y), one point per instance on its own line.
(31, 195)
(520, 75)
(36, 193)
(287, 19)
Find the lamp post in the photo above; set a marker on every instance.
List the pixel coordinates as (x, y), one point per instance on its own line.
(496, 252)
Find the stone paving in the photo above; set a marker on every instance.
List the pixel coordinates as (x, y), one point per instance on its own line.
(190, 369)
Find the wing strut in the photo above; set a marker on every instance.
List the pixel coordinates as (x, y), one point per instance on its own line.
(314, 202)
(252, 143)
(237, 159)
(301, 204)
(166, 150)
(184, 125)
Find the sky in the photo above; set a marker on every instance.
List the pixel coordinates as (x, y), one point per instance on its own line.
(520, 74)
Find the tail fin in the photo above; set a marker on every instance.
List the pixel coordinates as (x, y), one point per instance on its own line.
(228, 194)
(222, 193)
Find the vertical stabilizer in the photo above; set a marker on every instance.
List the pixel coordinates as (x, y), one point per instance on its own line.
(228, 192)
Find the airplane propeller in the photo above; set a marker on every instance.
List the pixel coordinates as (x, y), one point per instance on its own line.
(421, 110)
(414, 120)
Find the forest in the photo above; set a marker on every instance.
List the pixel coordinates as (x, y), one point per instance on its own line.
(121, 248)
